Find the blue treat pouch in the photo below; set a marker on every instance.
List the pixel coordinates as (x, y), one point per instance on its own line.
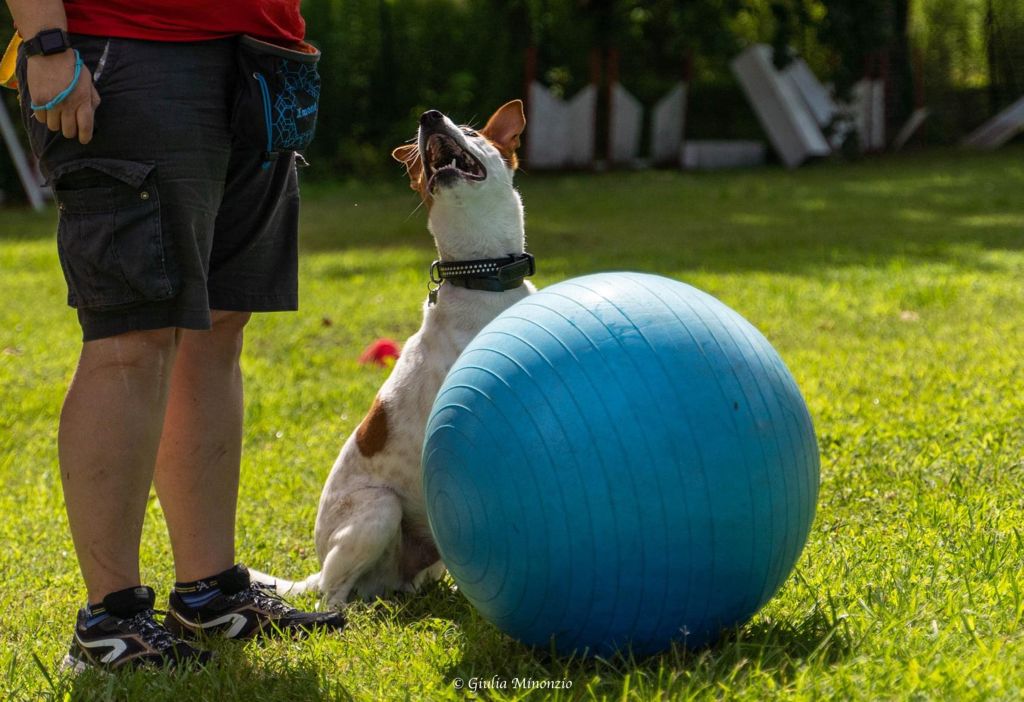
(278, 97)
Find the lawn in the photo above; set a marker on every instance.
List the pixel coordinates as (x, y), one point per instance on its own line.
(894, 291)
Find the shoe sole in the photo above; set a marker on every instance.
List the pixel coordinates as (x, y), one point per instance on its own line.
(183, 629)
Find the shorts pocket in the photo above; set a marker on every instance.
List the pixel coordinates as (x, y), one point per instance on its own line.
(109, 236)
(277, 98)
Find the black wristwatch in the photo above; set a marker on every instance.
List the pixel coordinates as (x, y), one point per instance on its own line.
(47, 43)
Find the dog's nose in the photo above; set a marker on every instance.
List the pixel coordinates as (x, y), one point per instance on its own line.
(431, 117)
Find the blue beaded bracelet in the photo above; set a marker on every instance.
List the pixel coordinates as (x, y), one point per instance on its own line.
(63, 94)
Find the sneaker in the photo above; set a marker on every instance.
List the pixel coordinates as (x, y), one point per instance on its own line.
(127, 637)
(244, 609)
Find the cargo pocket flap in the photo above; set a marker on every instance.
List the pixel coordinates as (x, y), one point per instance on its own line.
(121, 186)
(132, 173)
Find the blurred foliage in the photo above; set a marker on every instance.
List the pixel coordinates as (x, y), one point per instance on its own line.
(387, 60)
(854, 29)
(971, 60)
(971, 43)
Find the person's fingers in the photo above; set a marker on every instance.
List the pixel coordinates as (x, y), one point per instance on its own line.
(85, 123)
(68, 123)
(53, 120)
(95, 98)
(39, 116)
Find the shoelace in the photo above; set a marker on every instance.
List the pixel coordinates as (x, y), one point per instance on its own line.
(265, 597)
(151, 632)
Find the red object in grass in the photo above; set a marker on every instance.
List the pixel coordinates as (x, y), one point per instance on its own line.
(383, 352)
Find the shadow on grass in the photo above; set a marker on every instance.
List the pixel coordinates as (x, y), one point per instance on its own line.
(232, 676)
(22, 224)
(934, 207)
(772, 648)
(437, 600)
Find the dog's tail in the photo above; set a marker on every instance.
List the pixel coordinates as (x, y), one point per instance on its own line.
(287, 587)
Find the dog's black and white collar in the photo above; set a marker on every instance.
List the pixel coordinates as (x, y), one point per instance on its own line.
(492, 274)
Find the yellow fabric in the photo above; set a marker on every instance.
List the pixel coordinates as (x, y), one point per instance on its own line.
(7, 78)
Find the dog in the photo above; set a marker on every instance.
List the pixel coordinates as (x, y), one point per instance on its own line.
(372, 534)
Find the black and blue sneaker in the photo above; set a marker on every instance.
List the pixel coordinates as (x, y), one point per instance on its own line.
(232, 606)
(121, 633)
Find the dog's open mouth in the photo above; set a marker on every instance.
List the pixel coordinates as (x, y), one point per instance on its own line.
(447, 162)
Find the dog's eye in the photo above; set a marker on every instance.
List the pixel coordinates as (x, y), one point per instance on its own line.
(469, 132)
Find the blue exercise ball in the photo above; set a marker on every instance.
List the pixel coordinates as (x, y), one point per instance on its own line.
(619, 461)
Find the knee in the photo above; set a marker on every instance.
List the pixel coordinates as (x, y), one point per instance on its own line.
(228, 323)
(147, 352)
(227, 329)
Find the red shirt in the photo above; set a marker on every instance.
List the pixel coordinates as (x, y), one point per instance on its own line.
(277, 21)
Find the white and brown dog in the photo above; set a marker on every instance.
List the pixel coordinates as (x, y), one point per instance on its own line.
(372, 534)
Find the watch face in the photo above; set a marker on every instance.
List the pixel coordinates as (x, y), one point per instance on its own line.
(51, 42)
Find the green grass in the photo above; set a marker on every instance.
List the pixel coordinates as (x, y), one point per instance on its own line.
(894, 291)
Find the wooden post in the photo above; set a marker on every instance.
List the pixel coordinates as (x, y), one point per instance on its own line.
(689, 63)
(529, 76)
(529, 71)
(596, 79)
(611, 78)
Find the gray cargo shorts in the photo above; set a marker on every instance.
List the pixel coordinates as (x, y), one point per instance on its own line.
(164, 216)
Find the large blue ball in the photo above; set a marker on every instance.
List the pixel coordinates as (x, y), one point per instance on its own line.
(619, 460)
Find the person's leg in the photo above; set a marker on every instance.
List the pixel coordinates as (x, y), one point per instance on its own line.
(253, 268)
(197, 481)
(136, 225)
(200, 450)
(107, 441)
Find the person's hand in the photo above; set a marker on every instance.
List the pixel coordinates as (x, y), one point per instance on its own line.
(47, 77)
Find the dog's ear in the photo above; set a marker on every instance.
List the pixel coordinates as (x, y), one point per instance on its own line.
(409, 154)
(504, 128)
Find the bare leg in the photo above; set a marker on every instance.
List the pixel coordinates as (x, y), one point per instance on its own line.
(107, 442)
(201, 447)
